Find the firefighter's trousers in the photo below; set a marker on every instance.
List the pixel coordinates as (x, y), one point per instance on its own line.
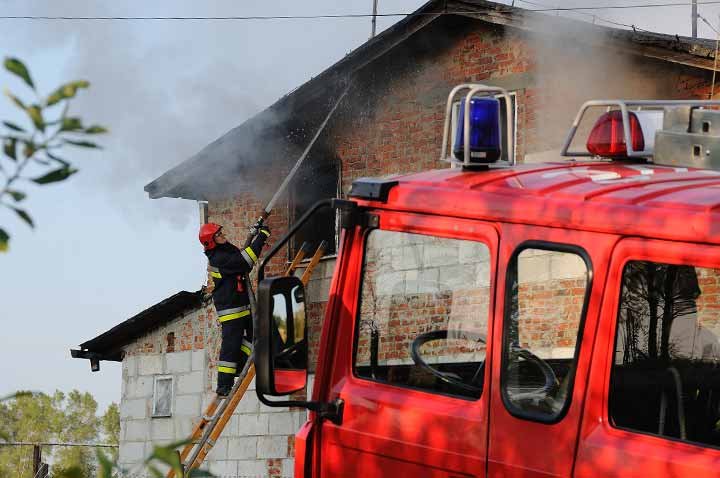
(235, 348)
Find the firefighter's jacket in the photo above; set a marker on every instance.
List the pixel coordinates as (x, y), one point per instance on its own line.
(228, 268)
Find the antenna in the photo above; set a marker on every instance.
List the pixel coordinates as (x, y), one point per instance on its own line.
(374, 18)
(694, 16)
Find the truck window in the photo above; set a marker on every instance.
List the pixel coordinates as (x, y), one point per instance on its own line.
(665, 376)
(429, 294)
(545, 299)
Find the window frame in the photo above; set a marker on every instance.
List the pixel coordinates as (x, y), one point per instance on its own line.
(356, 331)
(156, 379)
(694, 259)
(293, 247)
(510, 275)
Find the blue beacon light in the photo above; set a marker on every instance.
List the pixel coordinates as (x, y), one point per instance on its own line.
(484, 130)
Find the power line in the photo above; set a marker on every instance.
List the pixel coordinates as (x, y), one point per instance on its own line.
(343, 15)
(594, 17)
(708, 24)
(23, 443)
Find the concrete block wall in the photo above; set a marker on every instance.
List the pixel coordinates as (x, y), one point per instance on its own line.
(139, 430)
(258, 441)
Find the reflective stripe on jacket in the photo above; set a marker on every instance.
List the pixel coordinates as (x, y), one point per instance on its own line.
(228, 266)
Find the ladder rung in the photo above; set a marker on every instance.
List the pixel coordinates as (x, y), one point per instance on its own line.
(196, 451)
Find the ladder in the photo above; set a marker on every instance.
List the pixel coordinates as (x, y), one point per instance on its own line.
(208, 429)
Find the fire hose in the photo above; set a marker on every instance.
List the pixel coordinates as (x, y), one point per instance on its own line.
(271, 204)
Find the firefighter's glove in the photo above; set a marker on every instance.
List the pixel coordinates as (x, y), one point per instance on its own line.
(264, 230)
(255, 228)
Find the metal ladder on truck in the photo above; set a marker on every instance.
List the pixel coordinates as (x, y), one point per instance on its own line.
(212, 423)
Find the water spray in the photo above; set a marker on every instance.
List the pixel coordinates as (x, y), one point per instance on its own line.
(271, 204)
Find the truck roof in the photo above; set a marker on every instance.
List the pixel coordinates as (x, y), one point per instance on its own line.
(632, 199)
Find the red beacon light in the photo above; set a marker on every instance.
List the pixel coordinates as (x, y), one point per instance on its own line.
(607, 138)
(670, 132)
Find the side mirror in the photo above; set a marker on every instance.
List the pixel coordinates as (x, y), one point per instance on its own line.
(281, 353)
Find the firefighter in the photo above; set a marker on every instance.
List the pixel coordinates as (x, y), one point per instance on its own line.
(229, 266)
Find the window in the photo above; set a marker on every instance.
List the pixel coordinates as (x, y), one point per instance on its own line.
(317, 179)
(162, 397)
(454, 118)
(665, 376)
(423, 318)
(545, 300)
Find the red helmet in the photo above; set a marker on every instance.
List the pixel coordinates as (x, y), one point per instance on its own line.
(207, 235)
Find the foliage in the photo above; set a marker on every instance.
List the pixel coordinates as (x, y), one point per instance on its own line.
(163, 458)
(30, 152)
(38, 418)
(110, 428)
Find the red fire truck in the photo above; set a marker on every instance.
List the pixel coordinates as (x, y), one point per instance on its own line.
(517, 320)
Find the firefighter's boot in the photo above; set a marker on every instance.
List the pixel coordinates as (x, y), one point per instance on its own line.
(224, 384)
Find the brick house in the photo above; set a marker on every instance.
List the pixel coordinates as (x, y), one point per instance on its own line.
(389, 123)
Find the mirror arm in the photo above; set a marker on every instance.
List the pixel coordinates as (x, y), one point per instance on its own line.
(332, 411)
(342, 204)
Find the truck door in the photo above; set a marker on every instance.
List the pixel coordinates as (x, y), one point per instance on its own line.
(654, 390)
(550, 282)
(410, 355)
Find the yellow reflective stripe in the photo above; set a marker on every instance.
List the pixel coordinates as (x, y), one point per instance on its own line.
(246, 350)
(227, 369)
(216, 275)
(236, 315)
(267, 234)
(251, 253)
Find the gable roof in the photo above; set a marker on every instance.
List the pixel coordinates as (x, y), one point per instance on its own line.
(109, 345)
(236, 153)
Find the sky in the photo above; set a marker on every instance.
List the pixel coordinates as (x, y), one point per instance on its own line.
(102, 251)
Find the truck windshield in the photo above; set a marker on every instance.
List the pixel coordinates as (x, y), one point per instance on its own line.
(424, 313)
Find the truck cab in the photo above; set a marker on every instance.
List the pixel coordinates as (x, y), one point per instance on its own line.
(517, 320)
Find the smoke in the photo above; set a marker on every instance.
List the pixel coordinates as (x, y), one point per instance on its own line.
(576, 61)
(166, 90)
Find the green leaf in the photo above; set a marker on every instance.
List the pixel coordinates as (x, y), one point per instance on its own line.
(83, 144)
(13, 65)
(155, 472)
(95, 129)
(54, 98)
(23, 215)
(13, 126)
(66, 91)
(10, 148)
(35, 114)
(17, 195)
(166, 455)
(72, 472)
(198, 473)
(57, 158)
(106, 466)
(4, 240)
(71, 124)
(18, 102)
(55, 176)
